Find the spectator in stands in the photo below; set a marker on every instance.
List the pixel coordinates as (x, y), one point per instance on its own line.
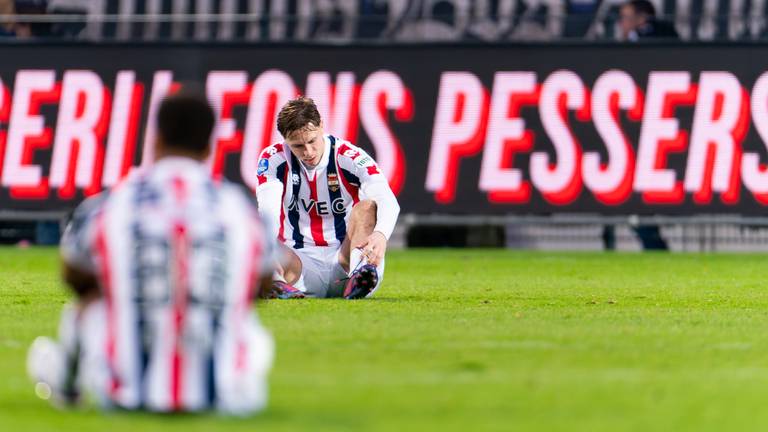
(638, 21)
(6, 25)
(26, 30)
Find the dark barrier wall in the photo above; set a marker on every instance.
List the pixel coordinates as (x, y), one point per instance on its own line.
(461, 130)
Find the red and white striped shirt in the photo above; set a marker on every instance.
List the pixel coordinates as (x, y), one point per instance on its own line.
(177, 257)
(312, 207)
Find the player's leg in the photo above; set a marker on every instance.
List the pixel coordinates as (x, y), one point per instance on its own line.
(302, 274)
(364, 277)
(288, 275)
(245, 391)
(55, 365)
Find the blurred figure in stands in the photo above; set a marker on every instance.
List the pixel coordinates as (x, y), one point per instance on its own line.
(6, 24)
(26, 30)
(638, 21)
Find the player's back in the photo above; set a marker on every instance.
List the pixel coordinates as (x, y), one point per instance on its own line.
(178, 258)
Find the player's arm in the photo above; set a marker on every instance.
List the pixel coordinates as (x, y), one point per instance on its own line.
(271, 257)
(76, 250)
(269, 192)
(375, 187)
(83, 283)
(78, 271)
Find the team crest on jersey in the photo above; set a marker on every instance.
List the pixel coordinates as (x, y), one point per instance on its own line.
(263, 166)
(333, 182)
(295, 178)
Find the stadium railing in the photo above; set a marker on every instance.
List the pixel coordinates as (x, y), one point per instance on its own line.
(414, 21)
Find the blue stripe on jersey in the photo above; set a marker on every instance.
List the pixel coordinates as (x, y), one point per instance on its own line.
(142, 331)
(211, 361)
(351, 178)
(281, 172)
(293, 208)
(338, 218)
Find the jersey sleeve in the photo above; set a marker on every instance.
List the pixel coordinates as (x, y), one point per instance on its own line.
(270, 256)
(261, 231)
(373, 186)
(77, 242)
(271, 177)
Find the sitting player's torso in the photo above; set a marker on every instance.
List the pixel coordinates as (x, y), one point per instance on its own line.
(317, 201)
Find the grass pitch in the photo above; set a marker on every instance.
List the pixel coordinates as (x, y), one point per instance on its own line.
(471, 340)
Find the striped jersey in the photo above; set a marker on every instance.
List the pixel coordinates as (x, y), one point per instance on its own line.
(177, 257)
(316, 204)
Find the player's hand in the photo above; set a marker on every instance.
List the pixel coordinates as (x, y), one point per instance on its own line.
(374, 248)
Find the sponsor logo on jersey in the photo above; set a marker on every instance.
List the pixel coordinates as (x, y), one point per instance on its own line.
(263, 166)
(333, 182)
(295, 178)
(338, 207)
(364, 161)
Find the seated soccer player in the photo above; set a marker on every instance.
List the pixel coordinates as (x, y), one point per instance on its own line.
(164, 267)
(334, 208)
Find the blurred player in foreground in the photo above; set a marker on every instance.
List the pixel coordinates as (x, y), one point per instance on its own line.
(165, 268)
(334, 208)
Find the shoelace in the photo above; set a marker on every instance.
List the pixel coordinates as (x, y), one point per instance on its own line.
(357, 267)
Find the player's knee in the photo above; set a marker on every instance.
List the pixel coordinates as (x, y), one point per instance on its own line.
(292, 267)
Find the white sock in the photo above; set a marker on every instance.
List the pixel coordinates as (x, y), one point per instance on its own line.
(277, 277)
(355, 258)
(380, 274)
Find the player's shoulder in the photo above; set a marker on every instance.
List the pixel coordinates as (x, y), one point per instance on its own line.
(271, 157)
(238, 194)
(346, 152)
(93, 204)
(87, 211)
(273, 152)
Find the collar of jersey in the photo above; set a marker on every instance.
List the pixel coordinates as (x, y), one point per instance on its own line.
(178, 162)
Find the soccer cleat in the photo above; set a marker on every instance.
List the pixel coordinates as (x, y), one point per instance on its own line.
(361, 283)
(282, 290)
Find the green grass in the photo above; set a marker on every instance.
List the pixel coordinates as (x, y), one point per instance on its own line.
(471, 340)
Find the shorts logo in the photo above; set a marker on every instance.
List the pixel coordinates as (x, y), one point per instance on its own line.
(333, 182)
(263, 166)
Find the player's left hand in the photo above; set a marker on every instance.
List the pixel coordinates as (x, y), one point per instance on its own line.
(374, 248)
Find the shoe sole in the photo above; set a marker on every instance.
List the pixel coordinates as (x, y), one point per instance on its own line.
(366, 282)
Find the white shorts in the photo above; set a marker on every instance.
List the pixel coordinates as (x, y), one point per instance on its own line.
(323, 275)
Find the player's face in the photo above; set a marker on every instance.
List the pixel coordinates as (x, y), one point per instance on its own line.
(307, 144)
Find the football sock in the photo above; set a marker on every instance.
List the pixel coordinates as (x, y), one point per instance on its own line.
(277, 277)
(355, 257)
(356, 260)
(380, 274)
